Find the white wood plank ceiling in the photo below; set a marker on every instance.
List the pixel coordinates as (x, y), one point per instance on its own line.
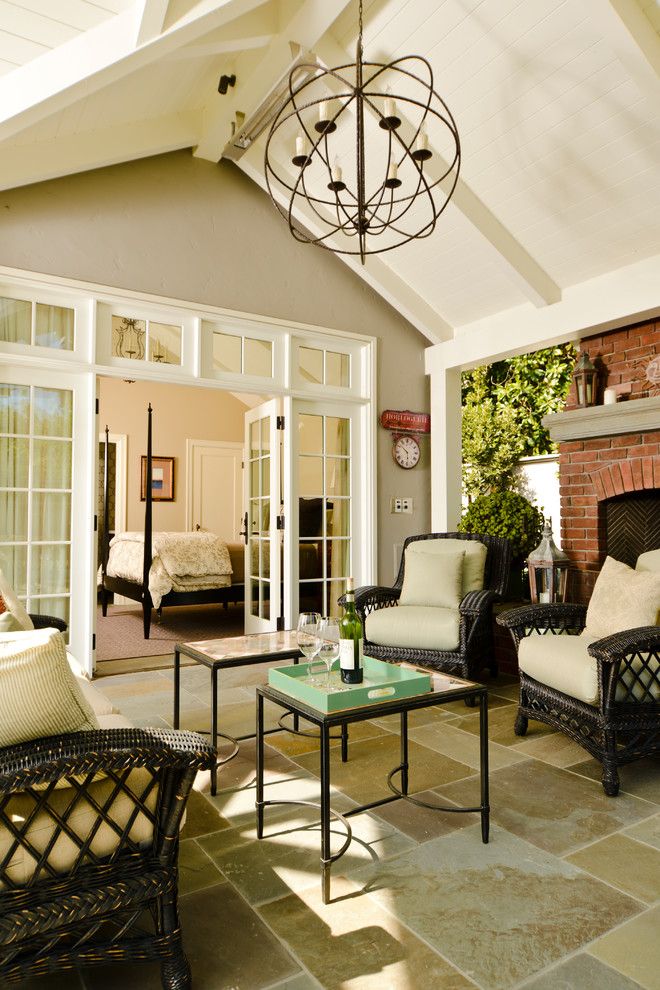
(557, 104)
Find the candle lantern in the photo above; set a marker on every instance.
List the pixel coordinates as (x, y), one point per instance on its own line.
(548, 569)
(585, 377)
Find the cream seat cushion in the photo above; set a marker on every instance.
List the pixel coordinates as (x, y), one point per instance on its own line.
(433, 580)
(39, 695)
(474, 562)
(97, 701)
(415, 626)
(622, 599)
(562, 663)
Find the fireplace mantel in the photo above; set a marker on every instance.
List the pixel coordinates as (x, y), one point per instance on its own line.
(632, 416)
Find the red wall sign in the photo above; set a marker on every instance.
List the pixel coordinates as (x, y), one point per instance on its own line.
(403, 419)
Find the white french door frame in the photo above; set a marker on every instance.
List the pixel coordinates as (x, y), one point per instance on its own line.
(83, 497)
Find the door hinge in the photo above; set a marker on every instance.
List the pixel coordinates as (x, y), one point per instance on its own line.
(280, 522)
(279, 422)
(93, 641)
(280, 623)
(96, 524)
(97, 407)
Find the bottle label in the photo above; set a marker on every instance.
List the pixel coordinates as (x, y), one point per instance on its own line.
(348, 648)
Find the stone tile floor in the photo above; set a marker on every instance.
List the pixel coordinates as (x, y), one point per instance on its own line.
(565, 895)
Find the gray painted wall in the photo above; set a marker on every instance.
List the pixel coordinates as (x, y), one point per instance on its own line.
(182, 227)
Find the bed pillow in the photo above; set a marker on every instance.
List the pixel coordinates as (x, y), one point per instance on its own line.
(39, 695)
(433, 579)
(10, 603)
(622, 599)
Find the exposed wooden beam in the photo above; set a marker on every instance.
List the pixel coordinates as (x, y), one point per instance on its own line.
(516, 261)
(633, 39)
(151, 16)
(97, 58)
(381, 277)
(254, 30)
(308, 24)
(603, 303)
(22, 165)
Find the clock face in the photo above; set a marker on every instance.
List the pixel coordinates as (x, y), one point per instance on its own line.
(406, 452)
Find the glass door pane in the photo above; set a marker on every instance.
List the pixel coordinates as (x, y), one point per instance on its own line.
(36, 456)
(262, 500)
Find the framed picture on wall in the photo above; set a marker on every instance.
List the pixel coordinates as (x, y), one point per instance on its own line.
(162, 479)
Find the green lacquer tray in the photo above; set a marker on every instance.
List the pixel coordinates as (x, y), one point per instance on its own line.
(382, 682)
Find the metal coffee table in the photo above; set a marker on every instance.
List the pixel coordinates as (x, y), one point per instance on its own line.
(445, 689)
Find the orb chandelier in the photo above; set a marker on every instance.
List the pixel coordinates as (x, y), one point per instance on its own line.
(360, 138)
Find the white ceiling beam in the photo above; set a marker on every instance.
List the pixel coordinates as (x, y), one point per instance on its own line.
(399, 294)
(151, 16)
(308, 24)
(633, 39)
(516, 261)
(255, 30)
(606, 302)
(97, 58)
(22, 165)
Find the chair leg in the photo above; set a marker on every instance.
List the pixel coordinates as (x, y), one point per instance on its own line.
(610, 776)
(104, 602)
(520, 727)
(174, 971)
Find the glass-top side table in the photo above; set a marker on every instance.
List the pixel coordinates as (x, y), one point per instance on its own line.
(444, 689)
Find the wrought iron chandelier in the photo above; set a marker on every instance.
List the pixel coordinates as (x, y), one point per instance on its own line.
(392, 117)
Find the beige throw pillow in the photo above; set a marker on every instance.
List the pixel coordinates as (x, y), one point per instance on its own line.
(649, 561)
(39, 695)
(10, 603)
(9, 623)
(622, 599)
(433, 579)
(473, 565)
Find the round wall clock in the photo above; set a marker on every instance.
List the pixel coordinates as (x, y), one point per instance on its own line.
(406, 451)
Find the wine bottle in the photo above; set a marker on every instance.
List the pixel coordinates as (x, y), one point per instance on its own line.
(351, 643)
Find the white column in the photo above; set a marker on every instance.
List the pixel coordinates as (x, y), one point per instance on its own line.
(445, 442)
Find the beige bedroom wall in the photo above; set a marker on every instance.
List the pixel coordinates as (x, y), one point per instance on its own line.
(180, 413)
(179, 226)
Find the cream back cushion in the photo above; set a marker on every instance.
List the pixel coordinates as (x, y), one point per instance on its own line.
(433, 579)
(10, 603)
(622, 599)
(473, 565)
(39, 695)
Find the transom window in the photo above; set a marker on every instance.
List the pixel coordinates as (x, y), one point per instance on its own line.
(242, 355)
(146, 340)
(23, 321)
(324, 367)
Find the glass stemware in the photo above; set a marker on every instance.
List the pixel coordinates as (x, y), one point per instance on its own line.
(329, 645)
(308, 637)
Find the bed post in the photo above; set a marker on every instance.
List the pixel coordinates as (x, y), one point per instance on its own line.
(105, 548)
(148, 506)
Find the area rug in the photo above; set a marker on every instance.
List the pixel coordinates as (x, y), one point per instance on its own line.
(120, 635)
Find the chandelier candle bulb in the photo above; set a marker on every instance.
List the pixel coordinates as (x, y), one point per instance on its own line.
(300, 146)
(323, 112)
(389, 107)
(336, 173)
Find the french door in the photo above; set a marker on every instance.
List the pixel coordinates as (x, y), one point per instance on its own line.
(263, 554)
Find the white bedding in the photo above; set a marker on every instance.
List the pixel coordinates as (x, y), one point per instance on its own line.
(181, 562)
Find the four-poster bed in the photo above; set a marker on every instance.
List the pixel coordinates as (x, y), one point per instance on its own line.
(163, 569)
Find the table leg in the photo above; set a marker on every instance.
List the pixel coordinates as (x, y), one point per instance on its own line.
(404, 752)
(325, 813)
(483, 766)
(344, 743)
(177, 687)
(260, 767)
(296, 720)
(214, 725)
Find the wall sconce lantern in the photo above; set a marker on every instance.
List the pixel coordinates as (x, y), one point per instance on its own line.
(585, 377)
(548, 569)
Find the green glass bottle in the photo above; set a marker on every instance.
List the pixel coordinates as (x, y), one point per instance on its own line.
(351, 642)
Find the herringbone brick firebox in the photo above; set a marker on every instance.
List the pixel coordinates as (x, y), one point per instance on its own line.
(598, 471)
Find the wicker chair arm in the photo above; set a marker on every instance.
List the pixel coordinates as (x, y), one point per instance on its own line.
(77, 754)
(477, 602)
(46, 621)
(539, 616)
(371, 596)
(645, 639)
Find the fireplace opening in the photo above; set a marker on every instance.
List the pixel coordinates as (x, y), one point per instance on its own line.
(632, 525)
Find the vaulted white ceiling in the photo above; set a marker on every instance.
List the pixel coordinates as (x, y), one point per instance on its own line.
(557, 103)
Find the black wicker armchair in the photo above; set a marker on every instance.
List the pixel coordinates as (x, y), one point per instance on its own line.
(89, 827)
(624, 723)
(475, 648)
(48, 621)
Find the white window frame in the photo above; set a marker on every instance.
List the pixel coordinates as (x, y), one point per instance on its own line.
(82, 340)
(243, 329)
(149, 314)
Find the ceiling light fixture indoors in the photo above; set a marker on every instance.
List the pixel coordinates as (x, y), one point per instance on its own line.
(361, 134)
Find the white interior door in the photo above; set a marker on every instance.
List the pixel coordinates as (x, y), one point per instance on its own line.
(214, 500)
(262, 505)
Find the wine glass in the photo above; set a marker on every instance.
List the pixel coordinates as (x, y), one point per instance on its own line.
(329, 644)
(308, 637)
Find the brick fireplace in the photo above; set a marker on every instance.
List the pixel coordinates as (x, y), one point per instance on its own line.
(611, 453)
